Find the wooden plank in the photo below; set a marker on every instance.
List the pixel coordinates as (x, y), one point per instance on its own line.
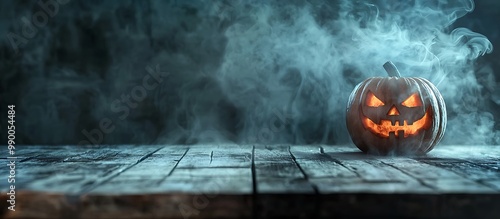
(296, 181)
(350, 171)
(77, 172)
(277, 172)
(53, 205)
(225, 169)
(274, 153)
(207, 185)
(276, 162)
(464, 168)
(469, 152)
(427, 175)
(212, 172)
(374, 176)
(356, 185)
(284, 169)
(441, 180)
(377, 171)
(150, 172)
(484, 154)
(475, 172)
(177, 184)
(114, 155)
(419, 170)
(68, 178)
(217, 156)
(47, 153)
(319, 165)
(340, 205)
(493, 166)
(492, 183)
(210, 180)
(269, 185)
(157, 166)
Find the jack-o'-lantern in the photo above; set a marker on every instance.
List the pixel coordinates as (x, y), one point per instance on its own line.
(396, 115)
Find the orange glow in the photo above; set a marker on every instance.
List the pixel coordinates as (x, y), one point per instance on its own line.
(393, 111)
(412, 101)
(373, 101)
(386, 127)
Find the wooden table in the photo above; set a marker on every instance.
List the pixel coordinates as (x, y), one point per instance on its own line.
(246, 181)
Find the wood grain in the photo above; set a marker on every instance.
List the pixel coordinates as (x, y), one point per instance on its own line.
(246, 181)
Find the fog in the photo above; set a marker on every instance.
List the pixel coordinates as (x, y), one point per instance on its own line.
(245, 72)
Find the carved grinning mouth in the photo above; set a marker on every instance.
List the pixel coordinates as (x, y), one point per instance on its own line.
(385, 127)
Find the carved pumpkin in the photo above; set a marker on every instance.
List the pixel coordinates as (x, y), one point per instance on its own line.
(396, 115)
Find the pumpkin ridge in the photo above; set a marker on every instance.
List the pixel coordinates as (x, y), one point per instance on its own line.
(427, 117)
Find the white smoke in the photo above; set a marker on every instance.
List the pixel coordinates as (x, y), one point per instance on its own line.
(244, 71)
(324, 58)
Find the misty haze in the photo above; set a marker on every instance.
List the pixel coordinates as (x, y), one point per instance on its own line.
(245, 72)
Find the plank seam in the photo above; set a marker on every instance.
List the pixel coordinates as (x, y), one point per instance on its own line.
(173, 168)
(254, 185)
(306, 177)
(464, 175)
(410, 175)
(93, 186)
(338, 162)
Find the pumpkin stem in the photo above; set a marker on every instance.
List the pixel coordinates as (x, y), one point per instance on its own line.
(391, 69)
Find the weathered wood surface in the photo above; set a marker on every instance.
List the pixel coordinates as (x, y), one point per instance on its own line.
(245, 181)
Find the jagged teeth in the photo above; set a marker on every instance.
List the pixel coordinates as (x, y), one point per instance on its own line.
(400, 123)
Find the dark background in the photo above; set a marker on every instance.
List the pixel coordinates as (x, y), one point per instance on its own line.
(236, 71)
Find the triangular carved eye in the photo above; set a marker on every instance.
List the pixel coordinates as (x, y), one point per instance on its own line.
(372, 100)
(412, 101)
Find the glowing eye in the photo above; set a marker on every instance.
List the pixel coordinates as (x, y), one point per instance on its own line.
(373, 101)
(412, 101)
